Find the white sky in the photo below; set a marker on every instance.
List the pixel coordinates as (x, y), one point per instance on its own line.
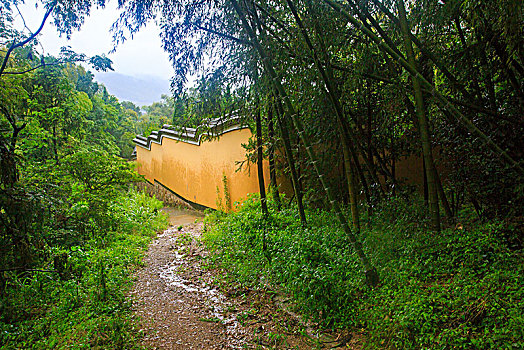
(142, 55)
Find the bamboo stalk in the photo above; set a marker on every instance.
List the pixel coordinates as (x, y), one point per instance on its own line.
(441, 99)
(271, 157)
(372, 277)
(423, 122)
(347, 137)
(291, 162)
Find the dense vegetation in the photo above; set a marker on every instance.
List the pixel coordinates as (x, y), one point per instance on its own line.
(71, 228)
(461, 289)
(346, 89)
(73, 294)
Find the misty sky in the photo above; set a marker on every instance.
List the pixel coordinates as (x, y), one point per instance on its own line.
(143, 55)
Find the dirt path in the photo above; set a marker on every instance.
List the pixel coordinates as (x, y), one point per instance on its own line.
(181, 307)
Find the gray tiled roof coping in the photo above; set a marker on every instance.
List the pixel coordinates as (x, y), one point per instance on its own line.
(213, 128)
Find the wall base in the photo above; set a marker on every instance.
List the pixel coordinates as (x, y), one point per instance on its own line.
(170, 198)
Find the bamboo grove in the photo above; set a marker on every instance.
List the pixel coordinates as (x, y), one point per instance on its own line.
(358, 84)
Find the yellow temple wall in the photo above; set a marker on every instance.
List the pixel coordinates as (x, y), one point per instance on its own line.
(196, 172)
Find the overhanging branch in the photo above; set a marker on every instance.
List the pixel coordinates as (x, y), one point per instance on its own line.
(15, 45)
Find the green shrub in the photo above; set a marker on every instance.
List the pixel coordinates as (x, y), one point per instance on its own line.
(458, 289)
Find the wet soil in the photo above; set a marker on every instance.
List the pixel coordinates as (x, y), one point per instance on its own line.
(179, 216)
(182, 304)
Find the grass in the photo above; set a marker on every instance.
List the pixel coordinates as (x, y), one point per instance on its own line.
(459, 289)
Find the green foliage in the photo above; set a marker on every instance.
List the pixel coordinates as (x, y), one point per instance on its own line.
(61, 183)
(71, 231)
(460, 289)
(96, 180)
(78, 299)
(227, 195)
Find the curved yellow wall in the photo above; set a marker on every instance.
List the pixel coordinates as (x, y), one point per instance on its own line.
(195, 172)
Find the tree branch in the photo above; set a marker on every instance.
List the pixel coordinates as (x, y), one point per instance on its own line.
(28, 39)
(34, 68)
(23, 19)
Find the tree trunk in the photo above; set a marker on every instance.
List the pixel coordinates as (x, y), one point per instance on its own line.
(454, 83)
(353, 199)
(260, 165)
(393, 167)
(425, 184)
(488, 80)
(469, 60)
(9, 173)
(348, 139)
(55, 145)
(261, 182)
(369, 125)
(443, 199)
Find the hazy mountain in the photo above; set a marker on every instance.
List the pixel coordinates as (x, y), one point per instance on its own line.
(141, 90)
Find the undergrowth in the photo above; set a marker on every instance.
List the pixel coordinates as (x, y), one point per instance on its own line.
(459, 289)
(77, 298)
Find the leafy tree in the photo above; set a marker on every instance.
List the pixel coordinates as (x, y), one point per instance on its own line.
(96, 179)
